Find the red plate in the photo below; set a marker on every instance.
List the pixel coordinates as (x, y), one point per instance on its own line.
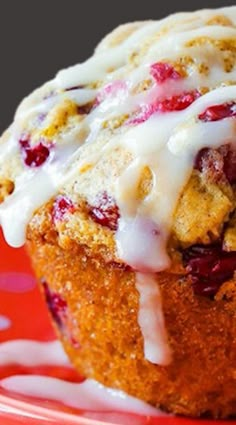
(21, 304)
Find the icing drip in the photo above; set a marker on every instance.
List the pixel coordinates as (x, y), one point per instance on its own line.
(151, 320)
(89, 395)
(33, 187)
(143, 233)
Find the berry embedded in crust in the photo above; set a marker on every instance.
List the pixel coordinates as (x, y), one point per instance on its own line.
(209, 267)
(56, 305)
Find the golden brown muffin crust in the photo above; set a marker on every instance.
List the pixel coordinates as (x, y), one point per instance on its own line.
(102, 306)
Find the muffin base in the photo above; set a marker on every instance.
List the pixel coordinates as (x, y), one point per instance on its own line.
(101, 335)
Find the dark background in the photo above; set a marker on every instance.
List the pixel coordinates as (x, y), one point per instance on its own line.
(37, 38)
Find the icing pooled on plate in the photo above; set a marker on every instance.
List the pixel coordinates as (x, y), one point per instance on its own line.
(88, 395)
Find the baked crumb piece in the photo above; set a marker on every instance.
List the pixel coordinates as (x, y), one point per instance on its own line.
(6, 188)
(230, 234)
(201, 212)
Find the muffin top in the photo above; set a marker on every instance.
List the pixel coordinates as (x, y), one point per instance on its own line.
(135, 148)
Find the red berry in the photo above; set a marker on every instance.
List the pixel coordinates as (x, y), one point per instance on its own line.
(170, 104)
(86, 109)
(56, 305)
(217, 163)
(59, 311)
(105, 211)
(75, 343)
(144, 114)
(162, 71)
(209, 267)
(110, 90)
(218, 112)
(179, 102)
(210, 162)
(61, 206)
(33, 156)
(230, 166)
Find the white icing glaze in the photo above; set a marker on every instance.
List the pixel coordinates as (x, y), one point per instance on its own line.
(151, 320)
(170, 158)
(141, 232)
(166, 143)
(32, 353)
(33, 187)
(88, 395)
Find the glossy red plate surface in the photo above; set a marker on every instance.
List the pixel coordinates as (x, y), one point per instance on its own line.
(24, 307)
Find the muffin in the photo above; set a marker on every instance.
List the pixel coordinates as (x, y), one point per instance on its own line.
(120, 177)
